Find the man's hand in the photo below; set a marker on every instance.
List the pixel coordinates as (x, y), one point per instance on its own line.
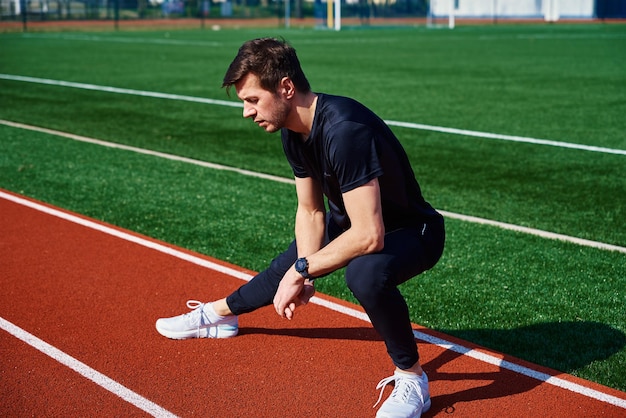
(308, 290)
(293, 291)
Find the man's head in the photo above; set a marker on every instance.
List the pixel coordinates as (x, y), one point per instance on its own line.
(267, 76)
(270, 60)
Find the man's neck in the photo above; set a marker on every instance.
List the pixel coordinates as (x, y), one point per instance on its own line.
(302, 114)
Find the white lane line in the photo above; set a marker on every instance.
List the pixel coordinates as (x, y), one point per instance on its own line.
(316, 40)
(472, 353)
(408, 125)
(119, 39)
(452, 215)
(117, 90)
(525, 371)
(86, 371)
(501, 137)
(536, 232)
(144, 151)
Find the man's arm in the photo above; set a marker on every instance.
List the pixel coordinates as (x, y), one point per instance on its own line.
(366, 235)
(310, 220)
(310, 225)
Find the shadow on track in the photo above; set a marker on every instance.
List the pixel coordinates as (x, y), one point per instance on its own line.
(345, 333)
(562, 346)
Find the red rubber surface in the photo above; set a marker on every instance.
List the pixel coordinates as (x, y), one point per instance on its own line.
(95, 297)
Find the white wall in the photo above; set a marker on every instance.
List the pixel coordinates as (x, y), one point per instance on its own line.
(515, 8)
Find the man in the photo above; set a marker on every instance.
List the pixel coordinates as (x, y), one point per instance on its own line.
(378, 225)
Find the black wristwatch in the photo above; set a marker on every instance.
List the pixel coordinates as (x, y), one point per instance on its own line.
(302, 267)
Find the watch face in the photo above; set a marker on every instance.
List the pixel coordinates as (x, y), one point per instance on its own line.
(301, 265)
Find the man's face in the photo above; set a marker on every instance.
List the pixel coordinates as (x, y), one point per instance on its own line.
(267, 109)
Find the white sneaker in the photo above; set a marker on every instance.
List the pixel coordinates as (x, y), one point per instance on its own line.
(201, 322)
(409, 398)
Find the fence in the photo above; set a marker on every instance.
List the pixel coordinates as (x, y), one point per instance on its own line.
(357, 10)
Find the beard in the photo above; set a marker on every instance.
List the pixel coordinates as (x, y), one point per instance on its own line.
(277, 118)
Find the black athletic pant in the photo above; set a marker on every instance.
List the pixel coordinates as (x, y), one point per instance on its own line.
(373, 280)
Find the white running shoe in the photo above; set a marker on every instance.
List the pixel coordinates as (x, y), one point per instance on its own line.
(201, 322)
(409, 398)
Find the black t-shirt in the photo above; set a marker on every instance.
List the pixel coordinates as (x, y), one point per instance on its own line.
(349, 146)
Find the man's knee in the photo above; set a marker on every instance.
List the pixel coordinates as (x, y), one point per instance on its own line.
(365, 278)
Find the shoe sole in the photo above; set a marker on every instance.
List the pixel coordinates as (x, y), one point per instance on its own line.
(220, 331)
(426, 406)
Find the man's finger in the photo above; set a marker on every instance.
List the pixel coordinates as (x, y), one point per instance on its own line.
(279, 309)
(289, 311)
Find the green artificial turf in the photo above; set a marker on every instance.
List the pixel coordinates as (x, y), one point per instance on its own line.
(553, 303)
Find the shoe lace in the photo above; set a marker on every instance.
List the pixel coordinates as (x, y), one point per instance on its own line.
(402, 391)
(195, 316)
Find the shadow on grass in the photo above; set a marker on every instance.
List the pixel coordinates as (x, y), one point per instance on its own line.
(565, 346)
(562, 346)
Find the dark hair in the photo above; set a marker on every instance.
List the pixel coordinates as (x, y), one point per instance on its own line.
(269, 59)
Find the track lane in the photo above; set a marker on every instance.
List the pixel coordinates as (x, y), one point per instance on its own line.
(96, 296)
(32, 383)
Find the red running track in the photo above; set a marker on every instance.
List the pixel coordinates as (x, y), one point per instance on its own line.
(77, 309)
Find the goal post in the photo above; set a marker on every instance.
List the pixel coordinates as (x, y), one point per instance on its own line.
(338, 14)
(441, 13)
(335, 14)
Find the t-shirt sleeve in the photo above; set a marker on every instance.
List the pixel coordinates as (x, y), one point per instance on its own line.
(354, 155)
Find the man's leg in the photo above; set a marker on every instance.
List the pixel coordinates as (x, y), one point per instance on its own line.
(219, 319)
(373, 279)
(260, 290)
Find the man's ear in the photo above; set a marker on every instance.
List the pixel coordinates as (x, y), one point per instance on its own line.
(287, 88)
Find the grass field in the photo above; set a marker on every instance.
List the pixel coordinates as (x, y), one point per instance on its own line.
(558, 304)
